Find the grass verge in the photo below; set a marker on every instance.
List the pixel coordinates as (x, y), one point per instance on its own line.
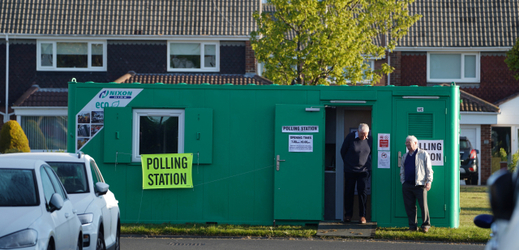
(473, 201)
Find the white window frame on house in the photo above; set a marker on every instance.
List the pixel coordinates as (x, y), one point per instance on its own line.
(54, 67)
(41, 112)
(202, 68)
(462, 78)
(371, 63)
(137, 113)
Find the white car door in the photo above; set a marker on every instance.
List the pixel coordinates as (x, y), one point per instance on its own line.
(102, 203)
(59, 221)
(64, 219)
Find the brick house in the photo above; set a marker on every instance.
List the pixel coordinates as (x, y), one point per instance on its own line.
(466, 42)
(44, 45)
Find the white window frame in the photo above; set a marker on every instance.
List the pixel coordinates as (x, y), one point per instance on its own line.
(54, 66)
(371, 63)
(371, 67)
(202, 68)
(462, 68)
(137, 113)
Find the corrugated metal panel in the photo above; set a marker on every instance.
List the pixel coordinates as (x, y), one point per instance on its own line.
(421, 125)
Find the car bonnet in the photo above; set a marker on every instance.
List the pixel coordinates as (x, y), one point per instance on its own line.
(81, 201)
(14, 219)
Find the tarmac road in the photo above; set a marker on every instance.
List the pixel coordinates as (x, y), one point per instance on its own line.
(163, 243)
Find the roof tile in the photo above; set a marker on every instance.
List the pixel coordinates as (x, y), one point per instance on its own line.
(463, 23)
(128, 17)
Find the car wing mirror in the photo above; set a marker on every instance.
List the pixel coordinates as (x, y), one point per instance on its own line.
(56, 202)
(484, 220)
(501, 194)
(101, 188)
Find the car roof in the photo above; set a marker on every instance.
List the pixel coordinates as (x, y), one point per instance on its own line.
(7, 161)
(50, 156)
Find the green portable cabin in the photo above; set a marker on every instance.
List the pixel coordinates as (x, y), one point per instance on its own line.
(264, 154)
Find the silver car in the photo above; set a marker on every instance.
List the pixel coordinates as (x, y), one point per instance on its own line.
(35, 210)
(98, 210)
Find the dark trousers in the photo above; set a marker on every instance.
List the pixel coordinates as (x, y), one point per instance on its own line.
(350, 180)
(411, 194)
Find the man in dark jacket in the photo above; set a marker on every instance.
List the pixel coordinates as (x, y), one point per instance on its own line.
(356, 154)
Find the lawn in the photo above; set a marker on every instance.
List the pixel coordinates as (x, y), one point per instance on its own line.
(473, 199)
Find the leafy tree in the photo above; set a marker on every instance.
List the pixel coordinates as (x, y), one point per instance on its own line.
(310, 41)
(13, 139)
(512, 59)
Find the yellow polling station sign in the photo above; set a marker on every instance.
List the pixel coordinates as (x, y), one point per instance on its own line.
(167, 171)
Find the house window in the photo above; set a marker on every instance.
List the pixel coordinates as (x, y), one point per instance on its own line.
(365, 79)
(71, 56)
(371, 67)
(453, 67)
(189, 57)
(45, 133)
(157, 131)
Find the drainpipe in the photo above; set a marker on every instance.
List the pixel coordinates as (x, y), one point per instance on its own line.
(388, 63)
(6, 114)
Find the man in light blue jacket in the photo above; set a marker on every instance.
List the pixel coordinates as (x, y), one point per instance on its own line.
(416, 176)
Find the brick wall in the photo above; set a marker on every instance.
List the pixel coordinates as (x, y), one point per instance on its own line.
(395, 62)
(232, 59)
(497, 81)
(486, 153)
(250, 59)
(414, 69)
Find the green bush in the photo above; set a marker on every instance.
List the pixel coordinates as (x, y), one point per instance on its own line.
(12, 137)
(503, 154)
(515, 158)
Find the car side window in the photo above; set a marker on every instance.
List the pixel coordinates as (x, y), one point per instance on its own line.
(56, 183)
(48, 189)
(96, 174)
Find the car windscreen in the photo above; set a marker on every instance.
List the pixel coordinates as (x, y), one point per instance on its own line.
(465, 144)
(72, 175)
(18, 188)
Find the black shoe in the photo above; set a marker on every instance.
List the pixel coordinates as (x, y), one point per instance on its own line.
(413, 229)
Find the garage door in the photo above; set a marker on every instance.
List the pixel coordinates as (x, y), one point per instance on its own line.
(471, 133)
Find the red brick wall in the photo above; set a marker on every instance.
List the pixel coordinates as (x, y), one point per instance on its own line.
(414, 69)
(395, 62)
(486, 153)
(497, 81)
(250, 60)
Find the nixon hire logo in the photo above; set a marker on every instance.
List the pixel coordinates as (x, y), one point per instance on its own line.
(117, 94)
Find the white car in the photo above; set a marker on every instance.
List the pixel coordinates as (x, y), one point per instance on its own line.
(98, 210)
(35, 210)
(503, 191)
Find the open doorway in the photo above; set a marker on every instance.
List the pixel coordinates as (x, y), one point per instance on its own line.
(340, 121)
